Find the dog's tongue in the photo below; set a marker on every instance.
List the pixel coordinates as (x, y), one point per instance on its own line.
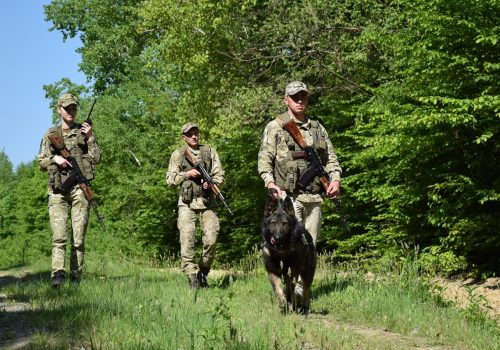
(273, 241)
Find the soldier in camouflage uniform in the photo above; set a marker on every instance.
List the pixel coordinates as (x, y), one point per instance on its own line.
(80, 141)
(196, 200)
(280, 164)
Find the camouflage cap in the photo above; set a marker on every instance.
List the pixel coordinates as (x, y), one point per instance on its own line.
(188, 126)
(67, 99)
(294, 87)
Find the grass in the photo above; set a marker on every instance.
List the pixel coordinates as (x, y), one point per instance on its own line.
(122, 305)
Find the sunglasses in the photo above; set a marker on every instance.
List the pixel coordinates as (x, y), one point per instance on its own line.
(70, 108)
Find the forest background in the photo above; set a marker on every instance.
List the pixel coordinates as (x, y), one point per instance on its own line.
(408, 91)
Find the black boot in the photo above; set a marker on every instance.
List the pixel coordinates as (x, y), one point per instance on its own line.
(202, 279)
(57, 280)
(75, 279)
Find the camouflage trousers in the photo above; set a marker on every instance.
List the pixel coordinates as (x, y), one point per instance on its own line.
(60, 205)
(210, 229)
(309, 215)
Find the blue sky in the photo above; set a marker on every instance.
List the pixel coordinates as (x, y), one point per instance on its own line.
(30, 57)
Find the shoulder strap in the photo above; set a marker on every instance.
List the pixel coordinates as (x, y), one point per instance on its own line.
(292, 129)
(205, 151)
(314, 123)
(283, 118)
(56, 129)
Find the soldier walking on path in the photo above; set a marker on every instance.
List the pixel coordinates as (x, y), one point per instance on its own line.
(196, 200)
(282, 162)
(65, 194)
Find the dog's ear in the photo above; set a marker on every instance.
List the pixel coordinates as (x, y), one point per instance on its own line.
(271, 202)
(288, 206)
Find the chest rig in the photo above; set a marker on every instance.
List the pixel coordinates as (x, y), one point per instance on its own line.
(192, 188)
(76, 144)
(288, 169)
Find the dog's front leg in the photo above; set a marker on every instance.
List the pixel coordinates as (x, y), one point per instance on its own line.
(278, 289)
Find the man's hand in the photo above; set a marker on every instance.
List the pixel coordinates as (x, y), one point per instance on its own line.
(61, 161)
(273, 185)
(193, 174)
(333, 190)
(87, 129)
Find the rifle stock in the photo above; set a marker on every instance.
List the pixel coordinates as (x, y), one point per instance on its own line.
(294, 131)
(206, 176)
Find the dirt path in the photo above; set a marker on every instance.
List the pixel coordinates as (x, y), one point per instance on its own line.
(395, 339)
(15, 328)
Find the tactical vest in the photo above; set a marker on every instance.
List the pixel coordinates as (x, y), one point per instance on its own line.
(76, 144)
(288, 171)
(192, 188)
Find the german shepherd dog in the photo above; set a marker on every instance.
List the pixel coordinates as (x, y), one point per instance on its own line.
(288, 253)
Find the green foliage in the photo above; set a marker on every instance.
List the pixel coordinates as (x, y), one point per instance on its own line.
(446, 263)
(428, 163)
(407, 90)
(25, 232)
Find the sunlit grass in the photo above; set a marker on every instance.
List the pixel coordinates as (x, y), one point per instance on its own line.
(124, 305)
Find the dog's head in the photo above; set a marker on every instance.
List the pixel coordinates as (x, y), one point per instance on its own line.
(279, 220)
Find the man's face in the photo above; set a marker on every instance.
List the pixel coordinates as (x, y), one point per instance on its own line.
(298, 102)
(68, 113)
(191, 137)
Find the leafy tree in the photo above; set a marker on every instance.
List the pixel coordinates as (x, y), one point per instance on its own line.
(408, 91)
(429, 137)
(6, 180)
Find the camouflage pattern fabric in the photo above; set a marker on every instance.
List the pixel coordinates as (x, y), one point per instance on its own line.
(59, 207)
(189, 213)
(87, 154)
(274, 150)
(67, 99)
(309, 215)
(85, 150)
(210, 229)
(176, 174)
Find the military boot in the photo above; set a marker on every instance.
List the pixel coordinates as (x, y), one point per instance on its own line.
(193, 281)
(75, 279)
(57, 280)
(202, 279)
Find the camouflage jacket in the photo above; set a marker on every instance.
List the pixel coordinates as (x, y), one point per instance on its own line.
(274, 155)
(85, 151)
(176, 174)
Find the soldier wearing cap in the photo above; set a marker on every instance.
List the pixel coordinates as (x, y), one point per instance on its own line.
(196, 200)
(280, 165)
(80, 141)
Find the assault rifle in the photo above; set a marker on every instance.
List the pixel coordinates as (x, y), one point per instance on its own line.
(76, 175)
(315, 168)
(206, 176)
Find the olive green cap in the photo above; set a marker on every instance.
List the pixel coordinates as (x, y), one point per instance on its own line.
(67, 99)
(295, 87)
(188, 126)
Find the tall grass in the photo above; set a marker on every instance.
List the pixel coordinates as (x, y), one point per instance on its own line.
(122, 305)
